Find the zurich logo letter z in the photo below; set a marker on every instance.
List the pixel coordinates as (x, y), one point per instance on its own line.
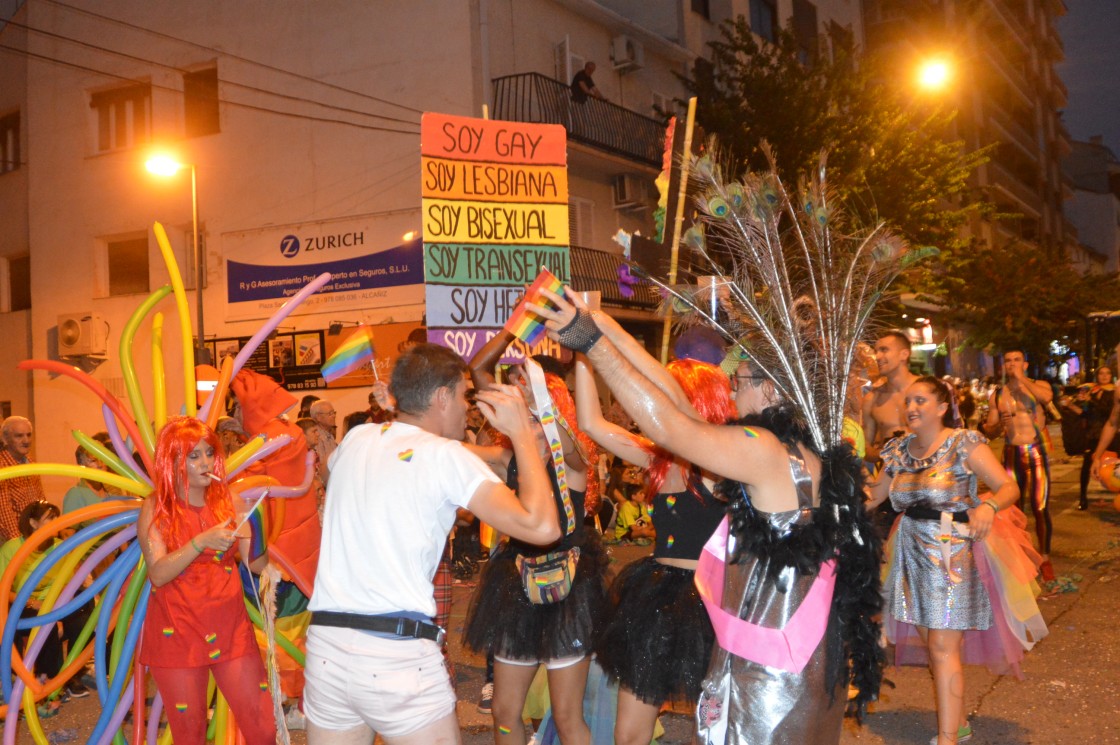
(289, 246)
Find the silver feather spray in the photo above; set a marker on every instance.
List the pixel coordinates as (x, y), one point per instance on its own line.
(798, 284)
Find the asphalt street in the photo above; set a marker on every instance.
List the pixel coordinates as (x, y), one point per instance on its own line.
(1069, 694)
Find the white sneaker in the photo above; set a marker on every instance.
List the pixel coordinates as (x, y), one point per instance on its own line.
(486, 699)
(295, 720)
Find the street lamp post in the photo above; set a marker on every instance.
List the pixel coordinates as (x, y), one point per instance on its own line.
(162, 165)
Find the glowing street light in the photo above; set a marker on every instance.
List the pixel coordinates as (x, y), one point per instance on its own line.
(934, 74)
(166, 167)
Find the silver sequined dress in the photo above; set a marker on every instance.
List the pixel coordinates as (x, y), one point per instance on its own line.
(766, 705)
(918, 589)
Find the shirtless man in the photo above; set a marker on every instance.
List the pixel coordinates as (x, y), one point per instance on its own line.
(884, 413)
(1018, 411)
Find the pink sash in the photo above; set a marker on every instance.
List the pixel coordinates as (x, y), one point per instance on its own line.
(788, 648)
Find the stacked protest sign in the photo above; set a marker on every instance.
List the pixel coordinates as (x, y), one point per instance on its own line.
(495, 211)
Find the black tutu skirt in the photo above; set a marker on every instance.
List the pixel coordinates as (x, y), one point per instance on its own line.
(502, 620)
(658, 641)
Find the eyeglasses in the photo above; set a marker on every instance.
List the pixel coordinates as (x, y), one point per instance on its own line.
(753, 380)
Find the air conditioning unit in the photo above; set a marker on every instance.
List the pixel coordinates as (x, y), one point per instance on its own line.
(627, 54)
(82, 335)
(629, 191)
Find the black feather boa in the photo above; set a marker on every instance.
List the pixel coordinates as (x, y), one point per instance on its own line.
(841, 529)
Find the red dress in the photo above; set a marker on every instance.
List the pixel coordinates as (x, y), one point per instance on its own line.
(198, 618)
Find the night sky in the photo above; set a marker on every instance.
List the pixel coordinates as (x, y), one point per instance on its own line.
(1091, 34)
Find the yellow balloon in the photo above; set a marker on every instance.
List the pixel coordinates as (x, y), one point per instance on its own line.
(131, 486)
(31, 714)
(232, 462)
(159, 381)
(189, 393)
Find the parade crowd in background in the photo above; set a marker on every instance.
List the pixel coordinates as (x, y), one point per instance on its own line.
(531, 476)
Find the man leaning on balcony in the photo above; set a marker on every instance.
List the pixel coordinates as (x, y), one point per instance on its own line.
(583, 86)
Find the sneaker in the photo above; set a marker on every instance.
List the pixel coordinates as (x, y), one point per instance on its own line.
(295, 720)
(964, 734)
(1047, 571)
(486, 700)
(75, 689)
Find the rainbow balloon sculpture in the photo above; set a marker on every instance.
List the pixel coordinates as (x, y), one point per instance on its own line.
(107, 533)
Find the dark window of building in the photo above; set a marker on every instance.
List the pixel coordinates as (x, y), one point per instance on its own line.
(123, 116)
(19, 277)
(9, 142)
(843, 43)
(702, 7)
(200, 102)
(764, 19)
(805, 29)
(128, 266)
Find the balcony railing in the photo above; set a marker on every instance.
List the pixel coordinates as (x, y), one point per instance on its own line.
(532, 97)
(596, 270)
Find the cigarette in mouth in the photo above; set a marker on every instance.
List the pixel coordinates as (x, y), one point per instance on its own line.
(216, 478)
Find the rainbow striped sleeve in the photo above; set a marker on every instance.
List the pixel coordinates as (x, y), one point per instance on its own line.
(350, 355)
(522, 322)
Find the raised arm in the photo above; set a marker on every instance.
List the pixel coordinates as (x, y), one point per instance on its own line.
(530, 514)
(607, 435)
(645, 364)
(486, 359)
(725, 451)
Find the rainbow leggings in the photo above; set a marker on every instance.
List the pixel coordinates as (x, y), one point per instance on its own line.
(1030, 468)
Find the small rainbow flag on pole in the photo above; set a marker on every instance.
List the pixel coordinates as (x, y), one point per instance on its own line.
(350, 355)
(525, 325)
(257, 518)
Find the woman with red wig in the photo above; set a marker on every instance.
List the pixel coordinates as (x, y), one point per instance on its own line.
(658, 640)
(197, 624)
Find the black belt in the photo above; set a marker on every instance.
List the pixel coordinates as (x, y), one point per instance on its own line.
(925, 513)
(399, 625)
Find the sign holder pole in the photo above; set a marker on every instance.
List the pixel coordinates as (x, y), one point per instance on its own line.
(678, 221)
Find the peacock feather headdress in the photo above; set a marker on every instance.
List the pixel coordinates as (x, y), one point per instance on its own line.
(793, 284)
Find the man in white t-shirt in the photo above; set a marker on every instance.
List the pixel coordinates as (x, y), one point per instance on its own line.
(373, 656)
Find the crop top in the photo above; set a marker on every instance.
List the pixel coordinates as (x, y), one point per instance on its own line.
(575, 538)
(684, 523)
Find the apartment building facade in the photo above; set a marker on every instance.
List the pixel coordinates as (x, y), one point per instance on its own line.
(300, 123)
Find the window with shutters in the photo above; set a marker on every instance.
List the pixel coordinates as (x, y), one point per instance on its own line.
(805, 29)
(580, 221)
(764, 19)
(122, 116)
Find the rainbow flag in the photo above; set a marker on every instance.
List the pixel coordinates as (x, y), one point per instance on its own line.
(522, 323)
(350, 355)
(258, 527)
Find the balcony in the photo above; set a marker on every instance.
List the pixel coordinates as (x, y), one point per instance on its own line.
(532, 97)
(1002, 178)
(1012, 129)
(596, 270)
